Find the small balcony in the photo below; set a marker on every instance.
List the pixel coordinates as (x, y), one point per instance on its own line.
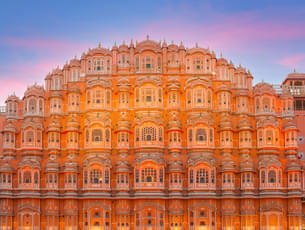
(295, 90)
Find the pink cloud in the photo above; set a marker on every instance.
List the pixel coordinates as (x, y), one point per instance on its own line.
(19, 76)
(42, 44)
(293, 61)
(227, 31)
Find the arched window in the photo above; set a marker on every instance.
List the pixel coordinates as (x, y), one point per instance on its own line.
(27, 177)
(108, 98)
(36, 178)
(189, 97)
(137, 134)
(97, 135)
(32, 105)
(272, 176)
(263, 177)
(107, 176)
(173, 98)
(88, 97)
(149, 175)
(269, 136)
(201, 135)
(29, 136)
(39, 136)
(209, 97)
(260, 137)
(211, 135)
(161, 175)
(87, 135)
(107, 135)
(202, 176)
(190, 134)
(191, 176)
(257, 104)
(95, 176)
(266, 104)
(149, 134)
(40, 105)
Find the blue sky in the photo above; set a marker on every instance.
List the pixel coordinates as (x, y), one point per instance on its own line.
(267, 37)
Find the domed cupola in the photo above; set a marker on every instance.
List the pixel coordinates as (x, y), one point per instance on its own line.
(12, 106)
(34, 101)
(244, 124)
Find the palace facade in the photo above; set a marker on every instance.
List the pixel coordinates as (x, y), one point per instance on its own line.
(295, 84)
(150, 136)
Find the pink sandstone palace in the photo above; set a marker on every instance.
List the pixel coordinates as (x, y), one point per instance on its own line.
(150, 136)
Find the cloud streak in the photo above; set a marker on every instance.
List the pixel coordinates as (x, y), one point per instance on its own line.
(294, 61)
(234, 32)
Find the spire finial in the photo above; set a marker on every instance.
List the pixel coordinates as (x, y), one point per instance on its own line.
(294, 70)
(147, 37)
(99, 45)
(196, 44)
(123, 42)
(221, 54)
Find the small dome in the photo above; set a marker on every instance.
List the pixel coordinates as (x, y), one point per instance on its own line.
(181, 46)
(247, 166)
(56, 94)
(175, 166)
(71, 166)
(75, 62)
(223, 87)
(244, 124)
(289, 125)
(225, 124)
(52, 165)
(10, 127)
(72, 125)
(222, 61)
(54, 126)
(74, 89)
(12, 98)
(172, 47)
(123, 47)
(263, 88)
(241, 69)
(34, 90)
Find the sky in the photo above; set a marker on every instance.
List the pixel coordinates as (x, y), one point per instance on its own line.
(267, 37)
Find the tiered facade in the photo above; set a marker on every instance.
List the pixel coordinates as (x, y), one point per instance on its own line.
(150, 136)
(294, 83)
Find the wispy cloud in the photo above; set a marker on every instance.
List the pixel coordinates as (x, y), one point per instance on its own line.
(234, 32)
(293, 61)
(43, 44)
(20, 75)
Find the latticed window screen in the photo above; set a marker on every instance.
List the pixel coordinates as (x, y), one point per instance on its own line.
(95, 176)
(201, 135)
(271, 176)
(97, 135)
(107, 176)
(149, 134)
(202, 176)
(149, 175)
